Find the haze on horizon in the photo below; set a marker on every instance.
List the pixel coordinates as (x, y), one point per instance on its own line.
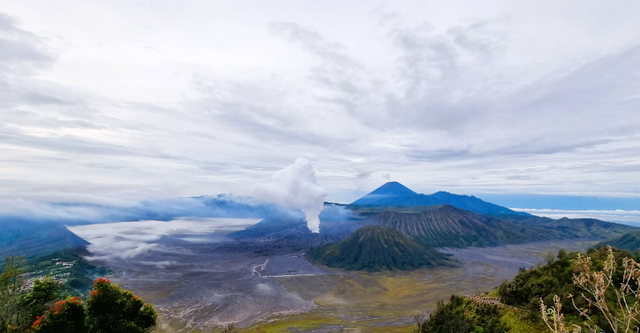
(109, 102)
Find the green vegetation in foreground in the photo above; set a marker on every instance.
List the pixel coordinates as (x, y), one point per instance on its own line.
(43, 308)
(462, 315)
(556, 278)
(67, 266)
(375, 248)
(628, 242)
(556, 285)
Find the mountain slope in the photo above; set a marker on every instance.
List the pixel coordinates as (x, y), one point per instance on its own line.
(28, 238)
(396, 194)
(629, 242)
(375, 248)
(447, 226)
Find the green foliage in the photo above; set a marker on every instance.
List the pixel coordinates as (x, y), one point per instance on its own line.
(629, 242)
(112, 309)
(375, 248)
(556, 278)
(461, 315)
(528, 286)
(41, 296)
(525, 292)
(11, 291)
(67, 316)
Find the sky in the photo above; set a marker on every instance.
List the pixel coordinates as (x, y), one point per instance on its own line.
(130, 100)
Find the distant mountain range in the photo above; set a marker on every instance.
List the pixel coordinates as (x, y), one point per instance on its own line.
(398, 195)
(448, 226)
(438, 220)
(432, 226)
(376, 248)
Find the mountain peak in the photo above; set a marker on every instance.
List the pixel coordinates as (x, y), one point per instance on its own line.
(396, 194)
(387, 191)
(393, 188)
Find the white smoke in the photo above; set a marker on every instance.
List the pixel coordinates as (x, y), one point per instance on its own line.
(296, 187)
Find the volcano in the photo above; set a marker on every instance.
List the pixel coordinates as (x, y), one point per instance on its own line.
(377, 248)
(398, 195)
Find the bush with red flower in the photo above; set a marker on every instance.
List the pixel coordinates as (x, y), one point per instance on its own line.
(109, 309)
(66, 316)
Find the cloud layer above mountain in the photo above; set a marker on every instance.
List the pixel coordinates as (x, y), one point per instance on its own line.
(128, 100)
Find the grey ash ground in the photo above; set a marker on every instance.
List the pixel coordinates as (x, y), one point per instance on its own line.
(201, 285)
(215, 284)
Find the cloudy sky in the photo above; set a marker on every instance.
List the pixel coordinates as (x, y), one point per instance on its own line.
(138, 99)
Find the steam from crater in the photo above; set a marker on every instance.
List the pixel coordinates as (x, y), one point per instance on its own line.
(296, 187)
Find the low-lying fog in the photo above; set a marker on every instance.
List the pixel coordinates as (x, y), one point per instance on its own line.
(126, 240)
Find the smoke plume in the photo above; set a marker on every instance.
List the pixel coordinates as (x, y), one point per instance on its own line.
(295, 187)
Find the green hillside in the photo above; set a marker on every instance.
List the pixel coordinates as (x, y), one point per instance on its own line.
(629, 241)
(376, 248)
(447, 226)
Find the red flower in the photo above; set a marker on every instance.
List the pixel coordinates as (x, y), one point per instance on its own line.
(37, 323)
(101, 280)
(75, 300)
(59, 306)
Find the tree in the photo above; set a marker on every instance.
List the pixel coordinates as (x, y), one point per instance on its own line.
(67, 316)
(41, 297)
(562, 254)
(111, 309)
(420, 318)
(11, 288)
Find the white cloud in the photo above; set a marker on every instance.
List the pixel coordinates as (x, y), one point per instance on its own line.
(201, 97)
(127, 240)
